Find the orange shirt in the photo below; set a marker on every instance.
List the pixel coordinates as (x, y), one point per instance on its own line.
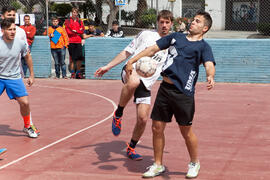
(30, 32)
(63, 40)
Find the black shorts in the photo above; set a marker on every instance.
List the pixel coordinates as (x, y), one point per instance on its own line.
(141, 94)
(75, 51)
(170, 101)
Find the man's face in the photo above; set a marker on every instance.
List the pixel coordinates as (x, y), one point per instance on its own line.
(164, 26)
(9, 33)
(198, 25)
(74, 14)
(115, 27)
(55, 22)
(26, 20)
(10, 14)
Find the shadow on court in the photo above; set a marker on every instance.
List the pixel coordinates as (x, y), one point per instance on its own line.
(5, 130)
(107, 150)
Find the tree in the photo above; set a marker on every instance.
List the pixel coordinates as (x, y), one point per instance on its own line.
(141, 8)
(113, 11)
(28, 4)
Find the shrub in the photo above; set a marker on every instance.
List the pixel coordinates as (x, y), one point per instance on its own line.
(149, 18)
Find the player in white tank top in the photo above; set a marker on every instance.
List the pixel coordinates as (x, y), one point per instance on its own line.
(141, 42)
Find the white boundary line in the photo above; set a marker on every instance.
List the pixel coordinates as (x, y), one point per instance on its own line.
(67, 137)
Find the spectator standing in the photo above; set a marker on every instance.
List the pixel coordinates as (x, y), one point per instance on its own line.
(181, 26)
(116, 31)
(92, 31)
(75, 29)
(59, 43)
(30, 32)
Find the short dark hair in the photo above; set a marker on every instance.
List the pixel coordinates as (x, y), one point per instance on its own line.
(6, 23)
(91, 23)
(115, 22)
(26, 16)
(55, 18)
(7, 9)
(166, 14)
(207, 17)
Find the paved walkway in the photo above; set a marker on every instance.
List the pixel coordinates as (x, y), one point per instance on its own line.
(230, 34)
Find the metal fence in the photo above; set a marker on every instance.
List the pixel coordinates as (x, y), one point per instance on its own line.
(133, 15)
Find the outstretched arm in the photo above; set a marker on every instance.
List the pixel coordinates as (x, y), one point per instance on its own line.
(210, 74)
(123, 55)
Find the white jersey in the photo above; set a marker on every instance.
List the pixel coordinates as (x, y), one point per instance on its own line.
(143, 40)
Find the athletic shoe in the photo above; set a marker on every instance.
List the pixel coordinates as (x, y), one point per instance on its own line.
(116, 125)
(73, 76)
(79, 76)
(31, 131)
(193, 170)
(35, 129)
(131, 153)
(154, 170)
(3, 150)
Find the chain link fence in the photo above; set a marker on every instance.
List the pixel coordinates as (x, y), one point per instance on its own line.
(236, 15)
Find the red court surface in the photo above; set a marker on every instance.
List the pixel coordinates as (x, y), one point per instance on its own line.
(74, 117)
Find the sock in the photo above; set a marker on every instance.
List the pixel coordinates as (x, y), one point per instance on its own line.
(77, 72)
(119, 111)
(133, 143)
(72, 71)
(27, 121)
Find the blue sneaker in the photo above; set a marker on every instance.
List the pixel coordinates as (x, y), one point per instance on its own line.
(116, 125)
(131, 153)
(3, 150)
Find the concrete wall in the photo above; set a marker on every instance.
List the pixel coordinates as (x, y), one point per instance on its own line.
(217, 10)
(41, 54)
(238, 60)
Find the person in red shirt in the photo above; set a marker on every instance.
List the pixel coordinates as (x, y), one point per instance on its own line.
(75, 28)
(30, 32)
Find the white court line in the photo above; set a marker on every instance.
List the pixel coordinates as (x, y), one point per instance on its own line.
(64, 138)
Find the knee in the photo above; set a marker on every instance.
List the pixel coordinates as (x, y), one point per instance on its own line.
(187, 133)
(133, 83)
(24, 103)
(156, 129)
(142, 120)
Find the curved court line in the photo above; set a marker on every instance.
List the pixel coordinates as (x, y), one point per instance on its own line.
(67, 137)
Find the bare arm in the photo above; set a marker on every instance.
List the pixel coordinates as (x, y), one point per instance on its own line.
(123, 55)
(150, 51)
(210, 74)
(28, 59)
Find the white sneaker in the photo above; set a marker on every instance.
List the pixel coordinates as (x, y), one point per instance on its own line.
(154, 170)
(193, 170)
(31, 132)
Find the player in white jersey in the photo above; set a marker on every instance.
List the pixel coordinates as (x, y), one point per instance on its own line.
(136, 85)
(10, 12)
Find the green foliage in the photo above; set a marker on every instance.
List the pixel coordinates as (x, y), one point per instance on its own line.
(264, 28)
(16, 5)
(88, 8)
(126, 16)
(149, 18)
(62, 9)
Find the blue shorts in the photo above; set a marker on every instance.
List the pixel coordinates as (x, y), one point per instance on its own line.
(14, 88)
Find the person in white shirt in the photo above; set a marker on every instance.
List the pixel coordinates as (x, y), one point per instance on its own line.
(10, 12)
(134, 84)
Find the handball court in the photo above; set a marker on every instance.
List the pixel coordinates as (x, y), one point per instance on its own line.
(74, 117)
